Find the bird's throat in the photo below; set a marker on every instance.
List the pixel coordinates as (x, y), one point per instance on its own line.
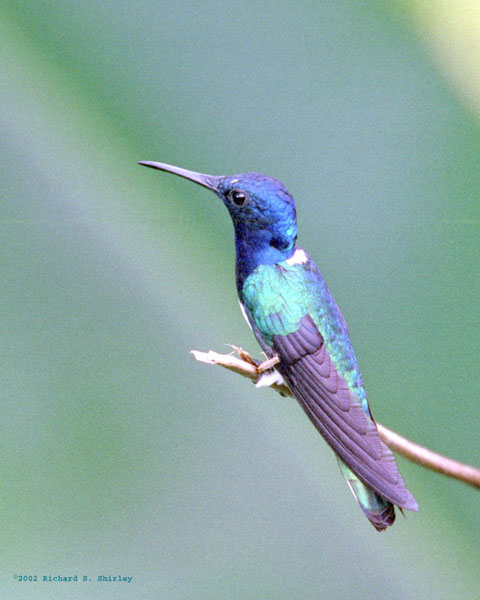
(259, 248)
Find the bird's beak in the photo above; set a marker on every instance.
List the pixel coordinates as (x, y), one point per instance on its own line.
(211, 182)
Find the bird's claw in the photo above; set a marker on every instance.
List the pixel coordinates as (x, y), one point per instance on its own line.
(268, 364)
(244, 355)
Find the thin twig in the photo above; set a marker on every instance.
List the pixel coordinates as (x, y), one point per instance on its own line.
(245, 365)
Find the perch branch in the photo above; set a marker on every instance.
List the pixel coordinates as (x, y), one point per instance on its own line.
(245, 365)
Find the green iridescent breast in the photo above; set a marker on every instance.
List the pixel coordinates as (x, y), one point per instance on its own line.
(278, 296)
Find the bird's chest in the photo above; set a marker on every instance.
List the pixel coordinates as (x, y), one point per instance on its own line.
(274, 299)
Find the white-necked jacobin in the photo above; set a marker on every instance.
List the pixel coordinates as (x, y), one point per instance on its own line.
(294, 317)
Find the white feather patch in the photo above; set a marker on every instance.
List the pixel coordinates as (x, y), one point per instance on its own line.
(244, 313)
(298, 258)
(270, 378)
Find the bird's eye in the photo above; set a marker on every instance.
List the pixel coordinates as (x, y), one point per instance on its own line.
(238, 197)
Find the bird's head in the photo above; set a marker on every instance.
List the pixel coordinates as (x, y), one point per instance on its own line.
(260, 203)
(262, 211)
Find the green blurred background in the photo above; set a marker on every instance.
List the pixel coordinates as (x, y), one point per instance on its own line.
(120, 454)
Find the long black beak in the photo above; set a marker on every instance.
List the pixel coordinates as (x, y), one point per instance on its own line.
(211, 182)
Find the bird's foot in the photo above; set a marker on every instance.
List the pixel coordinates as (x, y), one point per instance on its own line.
(266, 365)
(267, 375)
(244, 355)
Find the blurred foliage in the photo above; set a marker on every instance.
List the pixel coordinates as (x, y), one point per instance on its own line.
(451, 33)
(120, 454)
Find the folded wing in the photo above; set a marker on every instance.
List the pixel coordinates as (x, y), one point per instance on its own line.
(337, 412)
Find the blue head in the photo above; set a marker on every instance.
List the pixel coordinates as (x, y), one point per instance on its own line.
(262, 211)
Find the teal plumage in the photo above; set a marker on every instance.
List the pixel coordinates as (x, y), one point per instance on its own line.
(296, 319)
(279, 296)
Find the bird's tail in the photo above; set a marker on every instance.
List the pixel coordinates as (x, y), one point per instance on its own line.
(379, 511)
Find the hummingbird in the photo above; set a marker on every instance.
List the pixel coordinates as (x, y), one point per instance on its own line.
(299, 326)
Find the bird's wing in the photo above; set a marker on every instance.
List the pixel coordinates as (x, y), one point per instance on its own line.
(294, 316)
(337, 413)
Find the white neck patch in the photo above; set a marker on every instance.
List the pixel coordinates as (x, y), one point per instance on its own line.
(298, 258)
